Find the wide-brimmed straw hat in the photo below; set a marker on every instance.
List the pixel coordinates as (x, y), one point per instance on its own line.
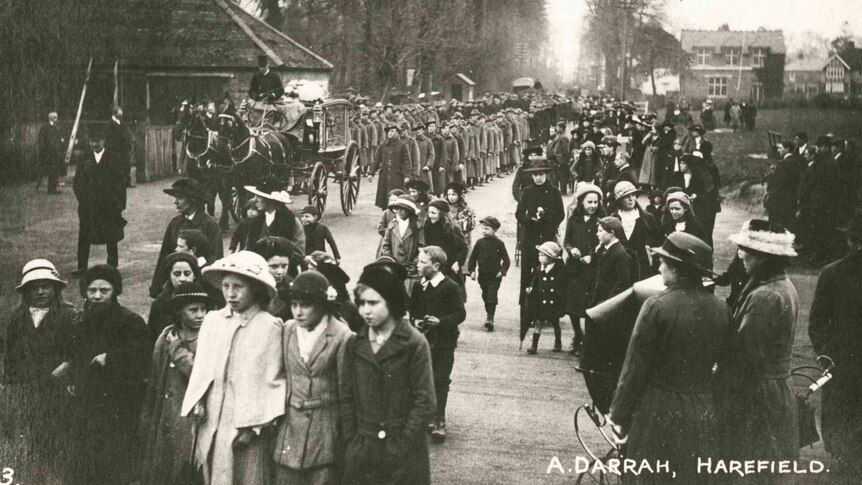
(243, 263)
(39, 270)
(765, 237)
(686, 249)
(270, 189)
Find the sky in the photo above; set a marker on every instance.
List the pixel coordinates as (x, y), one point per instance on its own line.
(797, 18)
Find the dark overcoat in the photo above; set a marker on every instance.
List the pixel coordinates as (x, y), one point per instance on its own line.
(781, 189)
(395, 402)
(647, 232)
(535, 232)
(835, 330)
(34, 407)
(580, 234)
(757, 408)
(204, 223)
(663, 397)
(392, 159)
(101, 192)
(548, 292)
(118, 139)
(110, 396)
(50, 148)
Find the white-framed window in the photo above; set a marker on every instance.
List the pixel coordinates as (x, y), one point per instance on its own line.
(733, 55)
(717, 87)
(701, 55)
(835, 87)
(834, 71)
(791, 77)
(758, 56)
(757, 91)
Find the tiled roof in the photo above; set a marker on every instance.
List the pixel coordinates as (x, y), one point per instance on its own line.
(197, 34)
(773, 39)
(806, 64)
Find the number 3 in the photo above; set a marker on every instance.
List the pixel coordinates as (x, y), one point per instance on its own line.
(8, 476)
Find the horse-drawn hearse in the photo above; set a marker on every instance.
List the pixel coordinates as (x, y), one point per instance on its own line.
(245, 146)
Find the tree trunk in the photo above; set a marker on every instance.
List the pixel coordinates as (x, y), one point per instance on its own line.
(652, 73)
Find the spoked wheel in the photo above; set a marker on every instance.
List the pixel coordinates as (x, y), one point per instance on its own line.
(350, 179)
(594, 434)
(318, 187)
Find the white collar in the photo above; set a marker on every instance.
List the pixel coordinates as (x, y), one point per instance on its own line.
(269, 217)
(435, 280)
(380, 338)
(116, 120)
(611, 244)
(98, 155)
(191, 216)
(547, 269)
(202, 261)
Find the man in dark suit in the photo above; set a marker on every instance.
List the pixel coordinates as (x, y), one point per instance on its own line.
(100, 188)
(436, 308)
(560, 155)
(781, 188)
(119, 141)
(819, 196)
(265, 85)
(50, 148)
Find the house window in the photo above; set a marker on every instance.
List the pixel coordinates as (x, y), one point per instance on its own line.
(701, 55)
(717, 87)
(834, 72)
(791, 77)
(758, 57)
(757, 91)
(733, 55)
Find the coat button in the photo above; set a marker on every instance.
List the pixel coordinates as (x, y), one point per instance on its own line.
(381, 434)
(545, 278)
(552, 290)
(172, 365)
(544, 301)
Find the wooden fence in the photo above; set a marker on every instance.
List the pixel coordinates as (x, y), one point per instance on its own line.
(152, 154)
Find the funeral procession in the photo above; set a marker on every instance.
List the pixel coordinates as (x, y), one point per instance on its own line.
(414, 242)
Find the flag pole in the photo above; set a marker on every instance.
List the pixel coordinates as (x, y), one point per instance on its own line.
(78, 115)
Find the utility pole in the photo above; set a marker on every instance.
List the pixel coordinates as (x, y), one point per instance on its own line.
(625, 7)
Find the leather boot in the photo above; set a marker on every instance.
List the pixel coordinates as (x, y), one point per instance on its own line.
(534, 348)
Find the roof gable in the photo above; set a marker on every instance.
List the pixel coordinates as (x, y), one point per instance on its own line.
(189, 34)
(806, 64)
(771, 39)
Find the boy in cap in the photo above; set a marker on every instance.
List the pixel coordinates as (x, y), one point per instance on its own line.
(490, 255)
(547, 292)
(317, 234)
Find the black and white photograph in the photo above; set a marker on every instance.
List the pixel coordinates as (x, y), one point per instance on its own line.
(414, 242)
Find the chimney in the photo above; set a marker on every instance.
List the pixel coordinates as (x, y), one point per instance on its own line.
(851, 45)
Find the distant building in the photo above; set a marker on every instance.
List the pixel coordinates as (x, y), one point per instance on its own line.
(838, 75)
(733, 64)
(666, 83)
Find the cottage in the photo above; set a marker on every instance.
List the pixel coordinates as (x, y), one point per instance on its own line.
(733, 64)
(807, 77)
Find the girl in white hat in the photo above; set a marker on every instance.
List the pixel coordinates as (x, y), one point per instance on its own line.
(237, 387)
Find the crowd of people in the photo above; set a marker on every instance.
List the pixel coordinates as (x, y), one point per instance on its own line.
(256, 365)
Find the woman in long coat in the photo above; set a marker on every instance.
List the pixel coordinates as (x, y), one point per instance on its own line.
(580, 241)
(35, 344)
(169, 439)
(663, 401)
(311, 437)
(404, 248)
(112, 348)
(659, 143)
(757, 406)
(392, 159)
(640, 228)
(389, 365)
(237, 387)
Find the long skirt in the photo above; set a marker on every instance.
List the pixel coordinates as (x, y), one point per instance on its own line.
(673, 427)
(649, 168)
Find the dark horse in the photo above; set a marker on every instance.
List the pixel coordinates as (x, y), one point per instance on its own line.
(207, 159)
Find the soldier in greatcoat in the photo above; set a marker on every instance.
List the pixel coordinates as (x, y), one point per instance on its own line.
(451, 156)
(427, 155)
(393, 161)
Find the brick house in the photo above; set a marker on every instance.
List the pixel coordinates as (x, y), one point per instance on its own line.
(733, 64)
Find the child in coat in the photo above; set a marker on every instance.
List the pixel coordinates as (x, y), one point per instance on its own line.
(317, 234)
(490, 254)
(240, 238)
(547, 292)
